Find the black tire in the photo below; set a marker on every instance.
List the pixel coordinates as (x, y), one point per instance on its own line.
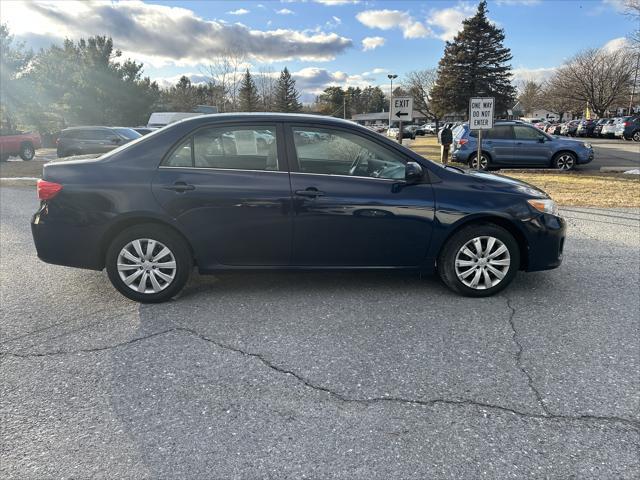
(174, 242)
(27, 152)
(565, 161)
(485, 161)
(447, 258)
(4, 157)
(636, 136)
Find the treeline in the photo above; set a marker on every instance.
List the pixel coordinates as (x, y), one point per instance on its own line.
(88, 82)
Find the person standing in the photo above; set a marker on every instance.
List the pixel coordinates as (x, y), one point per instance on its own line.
(445, 137)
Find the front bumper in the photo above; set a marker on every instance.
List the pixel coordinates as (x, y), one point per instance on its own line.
(546, 236)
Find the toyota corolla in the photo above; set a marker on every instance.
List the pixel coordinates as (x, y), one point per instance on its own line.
(278, 191)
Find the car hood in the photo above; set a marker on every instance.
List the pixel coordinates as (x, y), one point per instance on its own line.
(502, 183)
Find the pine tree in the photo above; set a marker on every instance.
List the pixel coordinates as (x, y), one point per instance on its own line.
(475, 64)
(248, 97)
(286, 94)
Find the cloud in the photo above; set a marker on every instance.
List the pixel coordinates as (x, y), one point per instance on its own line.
(196, 78)
(371, 43)
(240, 11)
(284, 11)
(616, 44)
(161, 35)
(538, 75)
(390, 19)
(449, 20)
(337, 2)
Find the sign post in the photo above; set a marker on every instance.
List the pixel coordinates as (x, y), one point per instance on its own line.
(481, 118)
(401, 110)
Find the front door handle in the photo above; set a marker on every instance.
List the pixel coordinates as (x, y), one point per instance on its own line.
(179, 187)
(310, 192)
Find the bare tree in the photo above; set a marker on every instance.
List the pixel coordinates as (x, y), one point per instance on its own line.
(226, 71)
(530, 96)
(553, 98)
(419, 84)
(598, 78)
(266, 80)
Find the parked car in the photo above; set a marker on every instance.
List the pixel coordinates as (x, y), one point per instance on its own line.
(152, 209)
(144, 130)
(629, 128)
(426, 129)
(554, 129)
(597, 130)
(86, 140)
(518, 145)
(161, 119)
(609, 128)
(393, 133)
(17, 143)
(586, 128)
(569, 128)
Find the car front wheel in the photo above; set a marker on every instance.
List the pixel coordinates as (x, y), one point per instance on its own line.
(564, 161)
(148, 263)
(479, 260)
(27, 152)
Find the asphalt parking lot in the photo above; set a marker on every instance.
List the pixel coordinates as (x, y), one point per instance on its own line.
(323, 375)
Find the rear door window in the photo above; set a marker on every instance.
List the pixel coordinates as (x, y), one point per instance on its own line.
(500, 132)
(235, 148)
(526, 133)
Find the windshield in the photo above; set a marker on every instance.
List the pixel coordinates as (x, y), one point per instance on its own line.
(127, 133)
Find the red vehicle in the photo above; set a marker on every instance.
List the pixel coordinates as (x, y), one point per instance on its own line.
(19, 143)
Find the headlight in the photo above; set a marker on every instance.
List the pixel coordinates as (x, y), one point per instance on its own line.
(587, 145)
(544, 205)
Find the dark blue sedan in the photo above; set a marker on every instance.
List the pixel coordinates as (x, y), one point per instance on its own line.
(276, 191)
(518, 145)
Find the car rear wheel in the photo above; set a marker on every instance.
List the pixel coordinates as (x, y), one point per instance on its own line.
(636, 136)
(479, 260)
(27, 152)
(149, 263)
(564, 161)
(484, 161)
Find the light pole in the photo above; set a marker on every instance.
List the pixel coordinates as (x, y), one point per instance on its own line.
(391, 77)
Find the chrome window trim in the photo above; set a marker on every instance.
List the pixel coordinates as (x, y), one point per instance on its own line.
(222, 169)
(349, 176)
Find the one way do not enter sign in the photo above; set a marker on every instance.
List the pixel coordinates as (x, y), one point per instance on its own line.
(402, 109)
(481, 113)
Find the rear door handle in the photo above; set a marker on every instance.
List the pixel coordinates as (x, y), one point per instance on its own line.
(310, 192)
(179, 187)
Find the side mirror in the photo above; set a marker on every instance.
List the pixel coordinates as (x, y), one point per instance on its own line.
(541, 139)
(413, 172)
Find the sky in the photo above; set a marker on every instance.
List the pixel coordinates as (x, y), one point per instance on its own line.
(322, 42)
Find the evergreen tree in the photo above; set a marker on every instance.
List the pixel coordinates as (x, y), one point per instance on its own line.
(286, 94)
(475, 64)
(248, 94)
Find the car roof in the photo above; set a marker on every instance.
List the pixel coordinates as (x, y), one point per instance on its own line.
(264, 116)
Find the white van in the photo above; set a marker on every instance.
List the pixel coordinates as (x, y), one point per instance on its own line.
(160, 119)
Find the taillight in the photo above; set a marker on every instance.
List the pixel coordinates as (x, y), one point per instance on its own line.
(462, 141)
(47, 190)
(627, 124)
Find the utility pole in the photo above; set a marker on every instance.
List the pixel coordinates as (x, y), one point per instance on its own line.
(635, 81)
(391, 77)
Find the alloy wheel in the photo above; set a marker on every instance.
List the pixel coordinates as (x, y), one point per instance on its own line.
(565, 162)
(636, 136)
(484, 162)
(146, 265)
(482, 262)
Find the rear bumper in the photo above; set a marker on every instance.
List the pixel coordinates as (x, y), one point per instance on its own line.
(65, 244)
(547, 235)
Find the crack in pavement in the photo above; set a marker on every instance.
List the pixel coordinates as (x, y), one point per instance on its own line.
(635, 424)
(532, 385)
